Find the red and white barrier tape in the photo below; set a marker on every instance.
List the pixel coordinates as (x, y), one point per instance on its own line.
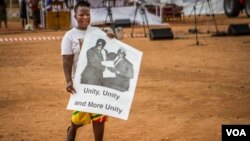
(26, 39)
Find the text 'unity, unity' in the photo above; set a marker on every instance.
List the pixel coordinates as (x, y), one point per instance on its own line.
(104, 93)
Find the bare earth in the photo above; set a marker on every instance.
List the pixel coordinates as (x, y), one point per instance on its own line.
(184, 93)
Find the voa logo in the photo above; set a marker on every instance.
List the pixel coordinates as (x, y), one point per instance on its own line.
(236, 132)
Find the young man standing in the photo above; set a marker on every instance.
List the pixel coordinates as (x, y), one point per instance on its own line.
(70, 50)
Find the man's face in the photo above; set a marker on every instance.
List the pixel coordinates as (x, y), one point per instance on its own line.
(121, 54)
(82, 17)
(99, 47)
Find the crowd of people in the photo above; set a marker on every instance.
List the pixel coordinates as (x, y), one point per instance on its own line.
(36, 7)
(30, 9)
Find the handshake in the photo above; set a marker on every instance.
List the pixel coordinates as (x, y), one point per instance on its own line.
(113, 70)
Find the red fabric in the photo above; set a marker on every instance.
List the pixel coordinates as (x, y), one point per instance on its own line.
(34, 4)
(242, 1)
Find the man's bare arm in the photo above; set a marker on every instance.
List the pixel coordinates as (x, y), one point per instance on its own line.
(67, 67)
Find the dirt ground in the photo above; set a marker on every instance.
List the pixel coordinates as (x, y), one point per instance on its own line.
(185, 92)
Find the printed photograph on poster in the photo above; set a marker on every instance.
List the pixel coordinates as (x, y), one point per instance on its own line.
(106, 76)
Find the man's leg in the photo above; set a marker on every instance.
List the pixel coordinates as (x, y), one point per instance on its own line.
(72, 132)
(6, 23)
(23, 25)
(78, 119)
(98, 128)
(26, 21)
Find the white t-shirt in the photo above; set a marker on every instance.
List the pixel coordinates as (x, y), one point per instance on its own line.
(71, 45)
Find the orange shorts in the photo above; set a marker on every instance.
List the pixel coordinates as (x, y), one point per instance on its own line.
(82, 118)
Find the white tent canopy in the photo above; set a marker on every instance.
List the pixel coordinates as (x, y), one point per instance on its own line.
(99, 14)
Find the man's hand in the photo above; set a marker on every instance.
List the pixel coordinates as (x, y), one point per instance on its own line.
(70, 87)
(111, 69)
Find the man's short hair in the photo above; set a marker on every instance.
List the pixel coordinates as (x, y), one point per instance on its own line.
(100, 42)
(81, 3)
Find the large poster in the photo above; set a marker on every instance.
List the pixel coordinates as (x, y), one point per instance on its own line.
(106, 76)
